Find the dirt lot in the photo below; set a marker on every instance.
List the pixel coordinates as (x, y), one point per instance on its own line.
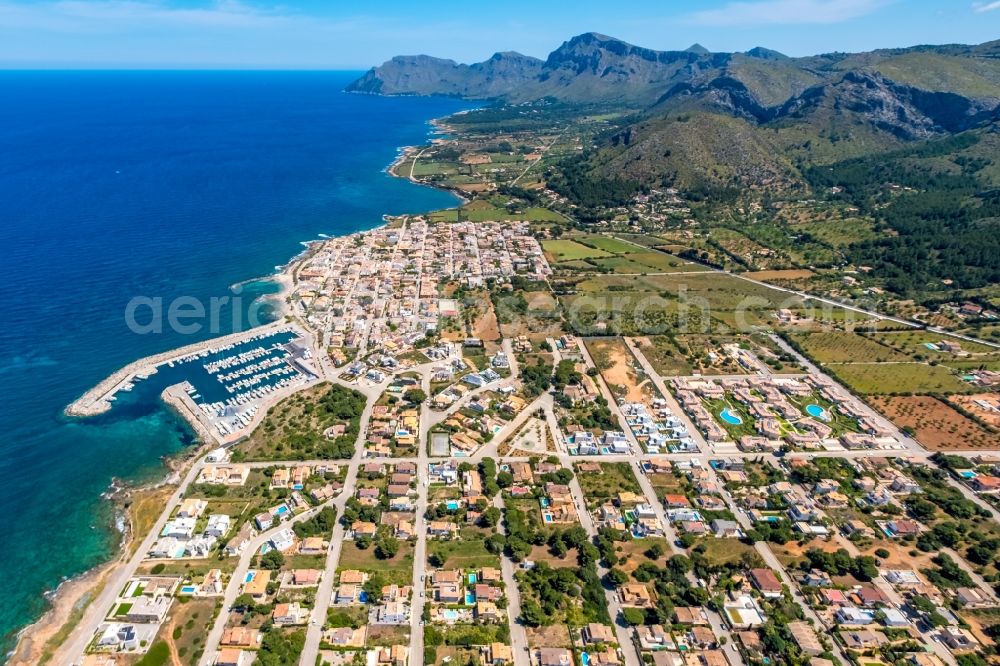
(968, 403)
(556, 635)
(615, 362)
(788, 274)
(935, 424)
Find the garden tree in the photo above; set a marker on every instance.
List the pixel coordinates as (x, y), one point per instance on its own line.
(322, 523)
(373, 586)
(982, 552)
(415, 396)
(532, 614)
(679, 564)
(246, 603)
(634, 616)
(617, 577)
(505, 479)
(495, 543)
(272, 559)
(948, 573)
(280, 649)
(655, 551)
(386, 547)
(436, 560)
(490, 517)
(921, 509)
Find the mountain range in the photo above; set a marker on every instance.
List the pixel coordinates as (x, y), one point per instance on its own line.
(730, 118)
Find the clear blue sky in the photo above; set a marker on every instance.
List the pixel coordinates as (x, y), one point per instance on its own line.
(332, 34)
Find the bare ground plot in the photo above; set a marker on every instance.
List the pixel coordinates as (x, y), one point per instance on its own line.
(936, 424)
(974, 405)
(786, 274)
(666, 357)
(617, 366)
(556, 635)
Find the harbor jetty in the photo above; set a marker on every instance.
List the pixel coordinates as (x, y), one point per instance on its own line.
(98, 400)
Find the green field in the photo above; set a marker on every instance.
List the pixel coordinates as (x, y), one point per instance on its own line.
(914, 342)
(568, 250)
(608, 244)
(463, 553)
(843, 347)
(884, 378)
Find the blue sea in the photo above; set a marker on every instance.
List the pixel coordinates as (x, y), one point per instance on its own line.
(115, 185)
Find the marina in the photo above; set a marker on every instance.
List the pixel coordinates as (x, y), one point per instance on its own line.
(224, 384)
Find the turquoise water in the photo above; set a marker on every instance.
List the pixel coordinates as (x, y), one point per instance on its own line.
(730, 417)
(166, 184)
(817, 412)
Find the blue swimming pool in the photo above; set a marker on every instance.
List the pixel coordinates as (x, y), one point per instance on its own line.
(817, 412)
(584, 658)
(470, 598)
(547, 517)
(472, 578)
(363, 597)
(250, 575)
(730, 417)
(932, 346)
(188, 589)
(449, 614)
(281, 510)
(452, 505)
(967, 474)
(544, 502)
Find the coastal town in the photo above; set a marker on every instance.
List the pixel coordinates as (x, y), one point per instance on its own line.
(420, 465)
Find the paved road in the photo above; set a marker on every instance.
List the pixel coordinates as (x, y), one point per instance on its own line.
(416, 657)
(622, 630)
(719, 628)
(324, 595)
(518, 636)
(98, 609)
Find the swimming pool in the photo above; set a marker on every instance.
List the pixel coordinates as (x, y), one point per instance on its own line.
(452, 505)
(188, 589)
(449, 614)
(932, 346)
(281, 510)
(249, 577)
(363, 597)
(730, 417)
(818, 412)
(470, 598)
(472, 578)
(547, 517)
(544, 501)
(967, 474)
(584, 658)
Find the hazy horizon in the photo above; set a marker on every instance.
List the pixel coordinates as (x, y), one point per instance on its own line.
(256, 34)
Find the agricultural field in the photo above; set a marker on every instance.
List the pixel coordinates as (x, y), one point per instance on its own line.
(936, 424)
(569, 250)
(612, 255)
(979, 405)
(843, 347)
(888, 378)
(927, 344)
